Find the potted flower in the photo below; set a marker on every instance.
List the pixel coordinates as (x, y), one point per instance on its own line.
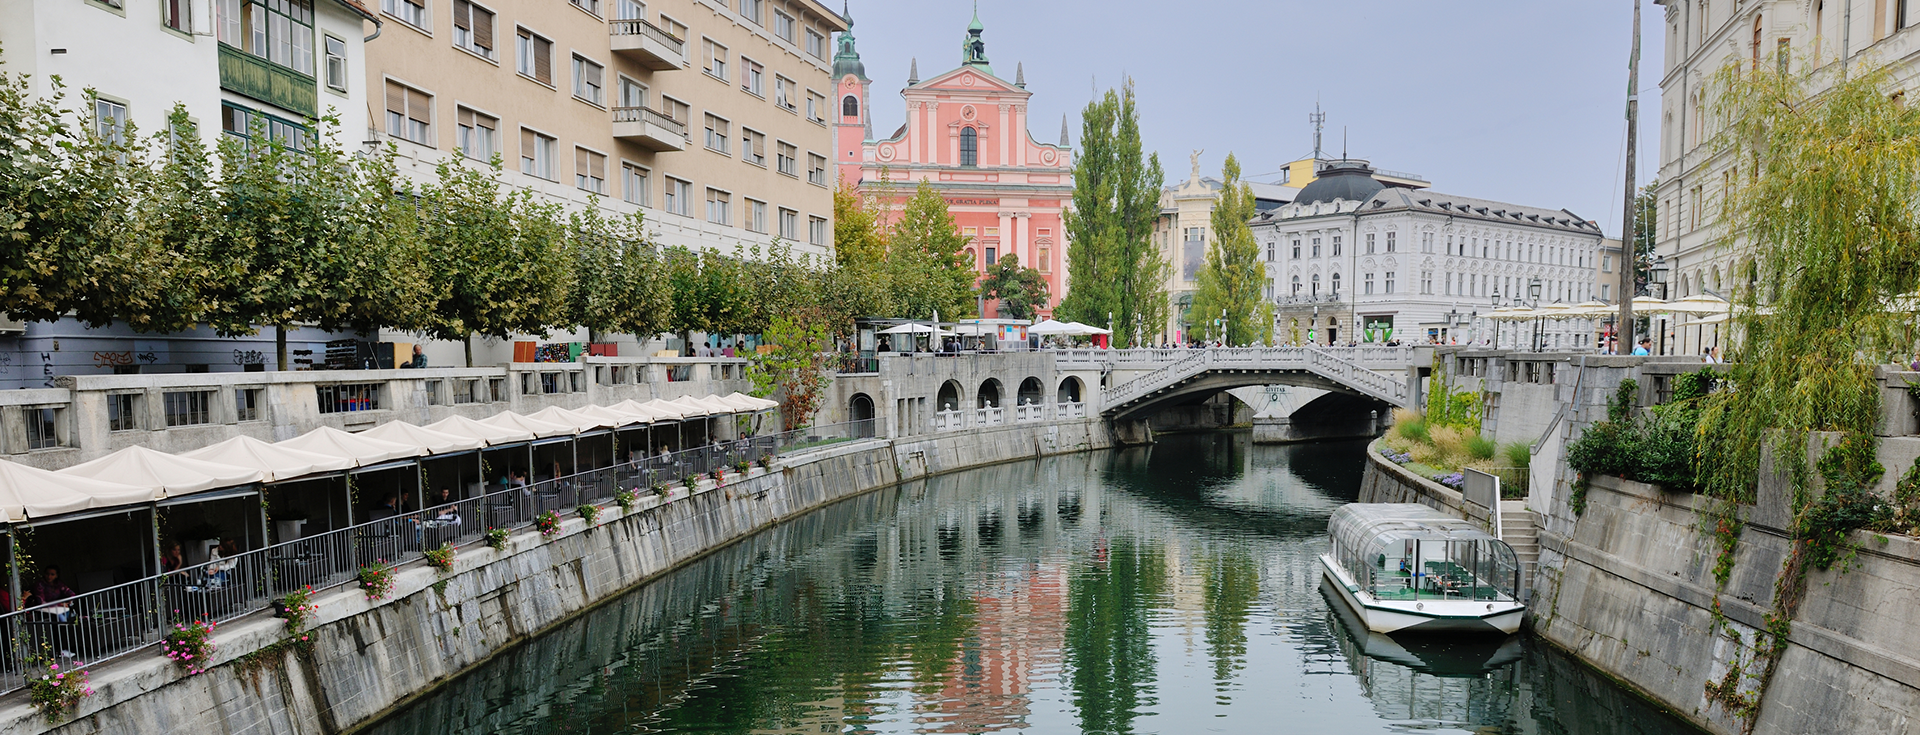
(661, 489)
(189, 645)
(496, 539)
(625, 498)
(296, 608)
(56, 692)
(441, 558)
(376, 579)
(548, 523)
(588, 511)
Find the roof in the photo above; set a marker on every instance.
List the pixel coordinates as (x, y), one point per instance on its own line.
(1479, 209)
(1347, 180)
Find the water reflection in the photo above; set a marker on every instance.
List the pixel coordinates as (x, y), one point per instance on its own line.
(1167, 589)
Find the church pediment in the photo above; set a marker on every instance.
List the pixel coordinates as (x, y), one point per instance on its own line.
(971, 80)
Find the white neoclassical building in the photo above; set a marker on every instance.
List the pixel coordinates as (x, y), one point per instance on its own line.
(1353, 259)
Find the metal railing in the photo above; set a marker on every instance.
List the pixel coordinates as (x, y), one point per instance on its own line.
(113, 622)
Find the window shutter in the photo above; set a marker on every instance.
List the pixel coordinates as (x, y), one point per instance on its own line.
(419, 107)
(597, 166)
(529, 144)
(462, 14)
(396, 98)
(464, 118)
(483, 29)
(543, 60)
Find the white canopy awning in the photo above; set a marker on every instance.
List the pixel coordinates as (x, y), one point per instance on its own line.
(435, 442)
(614, 417)
(915, 328)
(678, 411)
(540, 429)
(1048, 327)
(1077, 329)
(493, 435)
(166, 475)
(751, 403)
(652, 410)
(361, 449)
(1701, 304)
(28, 493)
(274, 461)
(568, 417)
(710, 404)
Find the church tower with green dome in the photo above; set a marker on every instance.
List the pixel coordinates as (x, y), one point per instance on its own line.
(852, 128)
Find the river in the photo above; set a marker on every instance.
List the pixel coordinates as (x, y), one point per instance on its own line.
(1165, 589)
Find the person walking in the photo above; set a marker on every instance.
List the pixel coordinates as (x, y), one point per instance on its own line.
(1645, 347)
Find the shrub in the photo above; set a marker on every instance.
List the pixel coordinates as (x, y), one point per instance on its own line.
(296, 608)
(661, 489)
(1480, 447)
(766, 461)
(548, 523)
(625, 498)
(588, 511)
(1519, 455)
(376, 579)
(189, 645)
(691, 481)
(1411, 427)
(441, 558)
(1624, 399)
(56, 693)
(1450, 445)
(741, 466)
(1823, 526)
(497, 539)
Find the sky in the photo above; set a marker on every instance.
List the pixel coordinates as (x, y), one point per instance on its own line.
(1521, 101)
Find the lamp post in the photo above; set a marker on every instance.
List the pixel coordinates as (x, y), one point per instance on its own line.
(1533, 294)
(1657, 276)
(1496, 325)
(1453, 318)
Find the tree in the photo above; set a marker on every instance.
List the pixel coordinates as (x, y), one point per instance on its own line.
(1115, 269)
(1646, 212)
(501, 258)
(928, 270)
(857, 235)
(794, 372)
(1021, 290)
(1232, 279)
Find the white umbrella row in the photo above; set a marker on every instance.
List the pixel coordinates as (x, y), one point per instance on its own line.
(139, 474)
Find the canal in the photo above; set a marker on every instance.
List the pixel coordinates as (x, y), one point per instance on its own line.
(1164, 589)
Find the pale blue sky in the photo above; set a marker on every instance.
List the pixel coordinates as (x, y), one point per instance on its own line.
(1511, 100)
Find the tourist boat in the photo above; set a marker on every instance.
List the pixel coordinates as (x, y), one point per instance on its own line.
(1404, 567)
(1445, 656)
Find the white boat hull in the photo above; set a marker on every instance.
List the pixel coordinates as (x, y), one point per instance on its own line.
(1430, 615)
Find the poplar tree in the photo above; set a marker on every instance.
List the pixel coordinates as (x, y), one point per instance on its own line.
(1232, 279)
(1113, 266)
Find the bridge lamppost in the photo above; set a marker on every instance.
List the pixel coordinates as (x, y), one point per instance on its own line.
(1533, 294)
(1496, 325)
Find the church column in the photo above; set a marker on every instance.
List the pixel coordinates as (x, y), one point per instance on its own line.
(930, 115)
(1007, 243)
(913, 140)
(1023, 240)
(1003, 136)
(1018, 132)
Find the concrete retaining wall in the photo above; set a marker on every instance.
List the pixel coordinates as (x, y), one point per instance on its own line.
(368, 657)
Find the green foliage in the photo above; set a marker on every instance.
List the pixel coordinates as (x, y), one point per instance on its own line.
(1624, 399)
(1518, 454)
(1413, 429)
(1114, 266)
(1022, 291)
(795, 369)
(1446, 407)
(496, 539)
(928, 272)
(1233, 277)
(441, 558)
(588, 511)
(1480, 447)
(625, 498)
(857, 235)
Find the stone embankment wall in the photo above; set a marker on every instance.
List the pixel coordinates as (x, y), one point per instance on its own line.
(366, 658)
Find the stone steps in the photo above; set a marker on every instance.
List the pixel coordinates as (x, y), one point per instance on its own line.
(1521, 530)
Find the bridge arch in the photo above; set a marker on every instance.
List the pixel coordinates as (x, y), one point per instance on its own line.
(989, 394)
(1031, 392)
(950, 396)
(1070, 390)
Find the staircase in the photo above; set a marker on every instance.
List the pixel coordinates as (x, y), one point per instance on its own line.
(1521, 530)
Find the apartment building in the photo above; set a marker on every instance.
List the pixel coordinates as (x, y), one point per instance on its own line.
(1701, 37)
(707, 115)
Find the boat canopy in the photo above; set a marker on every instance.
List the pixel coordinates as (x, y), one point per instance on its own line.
(1407, 551)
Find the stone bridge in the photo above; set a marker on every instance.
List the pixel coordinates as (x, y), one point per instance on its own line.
(1155, 379)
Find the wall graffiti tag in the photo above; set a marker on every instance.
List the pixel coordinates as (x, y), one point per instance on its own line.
(112, 359)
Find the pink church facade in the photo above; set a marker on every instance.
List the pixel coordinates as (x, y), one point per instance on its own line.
(965, 134)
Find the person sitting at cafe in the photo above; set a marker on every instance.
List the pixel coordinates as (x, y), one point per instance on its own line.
(172, 560)
(218, 566)
(388, 509)
(449, 513)
(49, 590)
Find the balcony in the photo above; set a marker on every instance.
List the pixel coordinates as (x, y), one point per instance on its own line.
(647, 45)
(250, 75)
(649, 129)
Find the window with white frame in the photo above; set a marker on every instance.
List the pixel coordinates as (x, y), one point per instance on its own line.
(786, 156)
(679, 197)
(110, 120)
(635, 185)
(336, 63)
(816, 44)
(817, 231)
(591, 6)
(783, 92)
(479, 136)
(1390, 247)
(753, 77)
(178, 14)
(1389, 282)
(590, 170)
(1426, 282)
(1336, 246)
(473, 28)
(717, 128)
(756, 216)
(588, 80)
(719, 207)
(673, 27)
(410, 12)
(1369, 243)
(676, 110)
(534, 56)
(789, 224)
(753, 147)
(409, 113)
(1367, 284)
(783, 26)
(536, 153)
(629, 10)
(816, 169)
(716, 58)
(632, 93)
(280, 31)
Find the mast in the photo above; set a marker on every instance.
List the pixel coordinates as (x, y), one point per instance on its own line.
(1629, 255)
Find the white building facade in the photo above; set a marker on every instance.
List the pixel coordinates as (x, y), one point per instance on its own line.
(1354, 260)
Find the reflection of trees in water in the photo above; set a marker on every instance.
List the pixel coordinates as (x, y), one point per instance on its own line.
(1232, 583)
(1200, 478)
(1109, 644)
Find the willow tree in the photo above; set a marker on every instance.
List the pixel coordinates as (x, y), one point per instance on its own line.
(1233, 278)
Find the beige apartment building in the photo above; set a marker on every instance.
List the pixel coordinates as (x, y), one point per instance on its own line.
(708, 115)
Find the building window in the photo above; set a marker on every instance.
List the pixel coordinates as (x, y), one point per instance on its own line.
(1296, 249)
(1390, 247)
(850, 107)
(1605, 291)
(783, 26)
(175, 14)
(1426, 282)
(409, 114)
(717, 134)
(1606, 264)
(534, 56)
(753, 147)
(719, 207)
(750, 9)
(679, 197)
(783, 93)
(536, 154)
(1369, 243)
(676, 110)
(247, 403)
(816, 169)
(591, 6)
(587, 84)
(789, 224)
(1316, 247)
(187, 408)
(753, 77)
(817, 231)
(634, 184)
(1336, 246)
(590, 171)
(1367, 285)
(227, 22)
(336, 51)
(786, 157)
(243, 124)
(1336, 284)
(716, 56)
(816, 44)
(110, 121)
(342, 397)
(1389, 282)
(123, 412)
(1269, 251)
(43, 427)
(629, 10)
(632, 94)
(479, 136)
(816, 107)
(473, 28)
(280, 31)
(410, 12)
(756, 216)
(969, 147)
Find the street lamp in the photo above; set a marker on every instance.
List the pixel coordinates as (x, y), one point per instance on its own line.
(1496, 325)
(1533, 294)
(1657, 276)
